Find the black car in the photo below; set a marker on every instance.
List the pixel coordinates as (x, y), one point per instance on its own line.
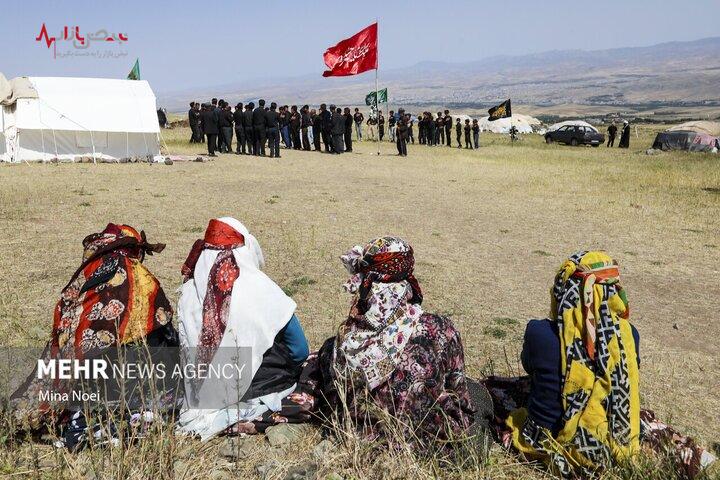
(575, 135)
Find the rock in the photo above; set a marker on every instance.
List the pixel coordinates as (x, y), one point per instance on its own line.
(675, 326)
(266, 468)
(232, 447)
(323, 450)
(302, 472)
(286, 433)
(168, 161)
(652, 151)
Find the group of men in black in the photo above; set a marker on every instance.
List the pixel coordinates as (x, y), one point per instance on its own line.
(260, 129)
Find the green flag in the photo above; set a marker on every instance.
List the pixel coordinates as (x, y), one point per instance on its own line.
(370, 97)
(135, 72)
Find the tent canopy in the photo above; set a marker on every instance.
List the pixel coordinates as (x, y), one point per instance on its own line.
(47, 118)
(702, 126)
(523, 123)
(89, 104)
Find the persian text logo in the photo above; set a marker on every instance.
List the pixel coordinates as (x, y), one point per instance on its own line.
(100, 44)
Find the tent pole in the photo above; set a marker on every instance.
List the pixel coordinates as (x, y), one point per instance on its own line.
(377, 88)
(127, 145)
(92, 142)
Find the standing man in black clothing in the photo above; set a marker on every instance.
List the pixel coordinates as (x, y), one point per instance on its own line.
(468, 129)
(259, 128)
(295, 123)
(381, 126)
(209, 120)
(401, 134)
(326, 125)
(410, 123)
(226, 128)
(391, 125)
(458, 132)
(272, 121)
(305, 123)
(440, 129)
(448, 127)
(612, 133)
(476, 133)
(421, 128)
(358, 118)
(338, 130)
(316, 127)
(247, 123)
(348, 129)
(239, 129)
(193, 121)
(430, 122)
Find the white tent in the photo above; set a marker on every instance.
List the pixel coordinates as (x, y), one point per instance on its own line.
(578, 123)
(47, 118)
(523, 123)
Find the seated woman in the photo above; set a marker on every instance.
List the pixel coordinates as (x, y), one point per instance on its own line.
(229, 306)
(111, 303)
(580, 406)
(391, 354)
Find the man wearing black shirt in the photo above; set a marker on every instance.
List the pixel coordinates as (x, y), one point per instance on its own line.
(358, 118)
(272, 121)
(439, 129)
(381, 126)
(348, 129)
(448, 127)
(226, 128)
(326, 125)
(259, 128)
(338, 130)
(247, 123)
(194, 120)
(295, 122)
(391, 125)
(305, 123)
(316, 127)
(209, 121)
(239, 129)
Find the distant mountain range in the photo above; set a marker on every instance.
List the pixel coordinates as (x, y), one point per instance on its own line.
(670, 77)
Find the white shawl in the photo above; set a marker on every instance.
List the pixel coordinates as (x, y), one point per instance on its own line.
(259, 309)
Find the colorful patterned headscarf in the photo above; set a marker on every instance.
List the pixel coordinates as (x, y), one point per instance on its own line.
(110, 301)
(386, 310)
(600, 387)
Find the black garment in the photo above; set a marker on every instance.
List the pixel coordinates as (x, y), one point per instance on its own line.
(272, 121)
(316, 131)
(430, 132)
(439, 131)
(411, 135)
(227, 134)
(209, 121)
(468, 141)
(295, 122)
(541, 360)
(247, 123)
(162, 118)
(277, 371)
(612, 133)
(348, 132)
(212, 143)
(326, 122)
(448, 128)
(476, 135)
(194, 121)
(401, 136)
(625, 137)
(338, 131)
(458, 134)
(259, 130)
(306, 123)
(381, 128)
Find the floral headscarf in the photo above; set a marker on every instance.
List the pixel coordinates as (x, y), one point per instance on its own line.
(386, 310)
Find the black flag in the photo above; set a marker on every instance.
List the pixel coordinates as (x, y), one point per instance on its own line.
(503, 110)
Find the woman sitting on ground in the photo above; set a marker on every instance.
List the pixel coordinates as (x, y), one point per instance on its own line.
(229, 307)
(111, 303)
(580, 406)
(390, 357)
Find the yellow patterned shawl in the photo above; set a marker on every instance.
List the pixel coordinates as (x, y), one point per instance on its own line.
(600, 387)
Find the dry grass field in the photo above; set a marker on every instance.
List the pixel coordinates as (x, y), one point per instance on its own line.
(489, 228)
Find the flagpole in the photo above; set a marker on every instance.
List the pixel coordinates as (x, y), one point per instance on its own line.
(377, 88)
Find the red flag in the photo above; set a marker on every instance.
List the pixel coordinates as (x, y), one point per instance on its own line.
(353, 55)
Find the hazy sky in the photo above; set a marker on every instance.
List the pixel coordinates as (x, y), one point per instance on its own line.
(184, 44)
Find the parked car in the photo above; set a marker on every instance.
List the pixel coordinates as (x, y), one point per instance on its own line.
(575, 135)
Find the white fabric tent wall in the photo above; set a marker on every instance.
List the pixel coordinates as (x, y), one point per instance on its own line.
(503, 125)
(72, 118)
